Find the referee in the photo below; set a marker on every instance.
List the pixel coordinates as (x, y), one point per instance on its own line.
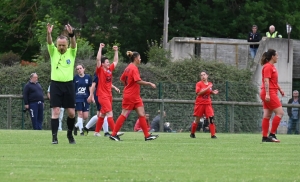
(62, 87)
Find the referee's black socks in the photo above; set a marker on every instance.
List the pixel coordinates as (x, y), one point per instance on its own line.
(70, 123)
(54, 127)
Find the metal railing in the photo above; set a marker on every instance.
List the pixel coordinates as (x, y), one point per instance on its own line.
(231, 106)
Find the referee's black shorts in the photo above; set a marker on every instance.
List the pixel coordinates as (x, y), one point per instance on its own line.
(62, 94)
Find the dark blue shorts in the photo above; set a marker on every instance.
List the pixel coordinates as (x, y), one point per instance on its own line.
(97, 102)
(82, 106)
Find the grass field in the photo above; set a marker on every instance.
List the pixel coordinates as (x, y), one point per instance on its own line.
(30, 156)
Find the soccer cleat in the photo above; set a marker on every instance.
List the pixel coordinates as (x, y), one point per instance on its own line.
(192, 135)
(71, 140)
(120, 133)
(81, 134)
(269, 139)
(54, 140)
(214, 137)
(266, 139)
(107, 134)
(97, 134)
(151, 137)
(85, 131)
(115, 138)
(75, 131)
(273, 138)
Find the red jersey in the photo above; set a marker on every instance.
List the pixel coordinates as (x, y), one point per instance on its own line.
(130, 76)
(104, 81)
(270, 71)
(204, 98)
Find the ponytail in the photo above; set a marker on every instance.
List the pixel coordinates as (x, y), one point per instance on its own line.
(132, 55)
(267, 56)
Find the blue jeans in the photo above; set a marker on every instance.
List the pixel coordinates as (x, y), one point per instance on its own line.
(253, 52)
(293, 124)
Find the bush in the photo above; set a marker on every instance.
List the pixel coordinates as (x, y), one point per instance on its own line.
(9, 59)
(157, 55)
(175, 81)
(85, 50)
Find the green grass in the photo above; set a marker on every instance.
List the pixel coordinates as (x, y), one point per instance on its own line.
(30, 156)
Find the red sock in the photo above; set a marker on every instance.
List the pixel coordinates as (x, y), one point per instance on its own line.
(212, 129)
(275, 124)
(194, 127)
(99, 124)
(121, 119)
(144, 126)
(111, 123)
(265, 127)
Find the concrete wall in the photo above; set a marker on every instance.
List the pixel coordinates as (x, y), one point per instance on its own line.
(181, 50)
(236, 55)
(296, 59)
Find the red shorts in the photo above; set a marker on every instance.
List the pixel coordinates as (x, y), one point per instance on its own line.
(106, 104)
(131, 104)
(203, 109)
(274, 100)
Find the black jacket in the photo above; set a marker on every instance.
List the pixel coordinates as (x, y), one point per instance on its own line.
(289, 109)
(255, 38)
(33, 92)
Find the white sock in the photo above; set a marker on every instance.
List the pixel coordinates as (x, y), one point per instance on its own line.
(60, 118)
(79, 123)
(105, 125)
(92, 122)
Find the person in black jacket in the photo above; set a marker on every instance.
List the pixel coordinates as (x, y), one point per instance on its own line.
(293, 114)
(254, 36)
(34, 101)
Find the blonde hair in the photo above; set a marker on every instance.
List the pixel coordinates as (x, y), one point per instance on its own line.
(132, 55)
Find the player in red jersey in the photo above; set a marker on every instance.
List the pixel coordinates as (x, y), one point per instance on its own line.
(104, 72)
(203, 104)
(131, 96)
(268, 95)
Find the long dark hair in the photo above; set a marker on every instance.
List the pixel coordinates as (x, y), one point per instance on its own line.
(267, 56)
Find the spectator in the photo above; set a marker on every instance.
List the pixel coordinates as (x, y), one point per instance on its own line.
(293, 114)
(155, 122)
(167, 127)
(137, 126)
(254, 36)
(272, 33)
(34, 101)
(62, 87)
(61, 114)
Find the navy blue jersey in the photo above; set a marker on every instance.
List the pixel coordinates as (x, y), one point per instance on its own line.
(82, 87)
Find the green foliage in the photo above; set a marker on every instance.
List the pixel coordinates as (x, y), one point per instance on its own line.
(85, 50)
(40, 29)
(110, 53)
(157, 55)
(175, 81)
(9, 59)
